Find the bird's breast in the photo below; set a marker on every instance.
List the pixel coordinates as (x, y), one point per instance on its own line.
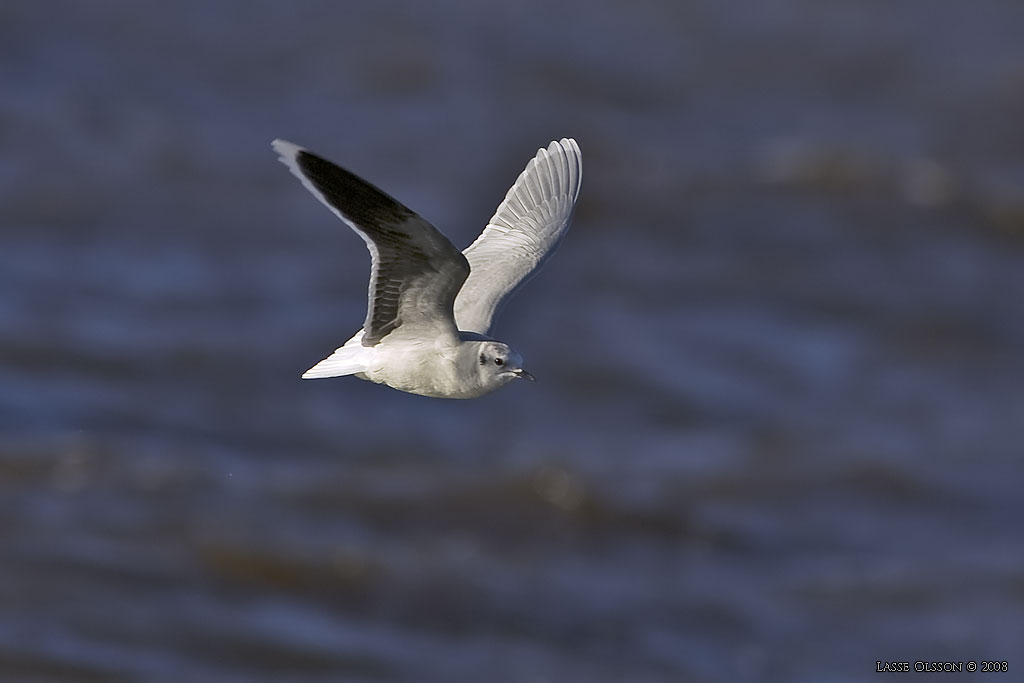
(425, 370)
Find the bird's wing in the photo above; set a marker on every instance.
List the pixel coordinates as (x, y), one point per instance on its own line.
(523, 232)
(416, 272)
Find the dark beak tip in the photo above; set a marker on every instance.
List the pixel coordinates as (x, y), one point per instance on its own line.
(523, 374)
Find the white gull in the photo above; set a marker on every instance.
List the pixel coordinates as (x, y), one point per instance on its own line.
(431, 307)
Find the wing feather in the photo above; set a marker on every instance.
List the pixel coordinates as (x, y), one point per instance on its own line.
(415, 273)
(522, 234)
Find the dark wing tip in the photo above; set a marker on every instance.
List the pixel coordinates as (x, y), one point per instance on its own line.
(361, 201)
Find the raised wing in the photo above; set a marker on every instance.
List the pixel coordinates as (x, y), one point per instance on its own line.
(523, 232)
(416, 272)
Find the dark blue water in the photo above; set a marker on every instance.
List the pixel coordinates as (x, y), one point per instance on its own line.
(777, 433)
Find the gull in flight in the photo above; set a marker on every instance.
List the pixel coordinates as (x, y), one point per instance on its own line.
(431, 306)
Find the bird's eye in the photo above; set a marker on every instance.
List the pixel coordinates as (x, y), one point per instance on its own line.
(498, 361)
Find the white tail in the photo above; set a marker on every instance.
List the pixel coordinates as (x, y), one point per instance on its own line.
(350, 359)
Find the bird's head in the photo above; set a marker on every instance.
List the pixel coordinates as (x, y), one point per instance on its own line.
(497, 364)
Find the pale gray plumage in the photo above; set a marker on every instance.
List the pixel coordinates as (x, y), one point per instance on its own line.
(421, 286)
(523, 232)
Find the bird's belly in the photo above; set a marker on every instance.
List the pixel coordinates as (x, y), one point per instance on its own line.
(426, 374)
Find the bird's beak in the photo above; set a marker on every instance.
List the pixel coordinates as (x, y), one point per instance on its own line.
(523, 374)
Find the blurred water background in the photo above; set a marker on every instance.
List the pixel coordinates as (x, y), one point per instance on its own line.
(777, 433)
